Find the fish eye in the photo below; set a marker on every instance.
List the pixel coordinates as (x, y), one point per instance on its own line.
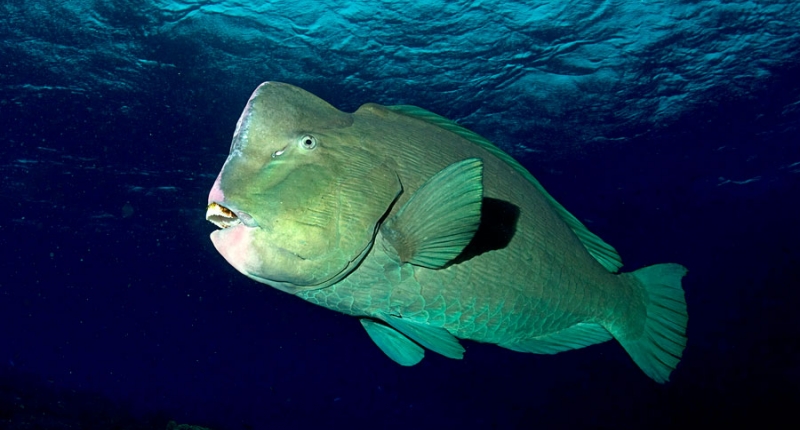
(308, 142)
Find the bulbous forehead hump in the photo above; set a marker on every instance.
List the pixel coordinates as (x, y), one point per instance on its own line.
(289, 106)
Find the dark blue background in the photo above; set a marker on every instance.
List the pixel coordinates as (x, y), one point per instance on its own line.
(125, 322)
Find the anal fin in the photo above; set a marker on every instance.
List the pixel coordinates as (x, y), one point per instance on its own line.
(577, 336)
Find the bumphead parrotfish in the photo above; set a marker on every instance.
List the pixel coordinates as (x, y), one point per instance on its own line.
(427, 233)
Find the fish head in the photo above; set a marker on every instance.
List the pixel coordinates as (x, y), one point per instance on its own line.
(301, 195)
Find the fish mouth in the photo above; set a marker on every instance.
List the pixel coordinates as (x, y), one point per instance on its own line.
(221, 216)
(243, 244)
(224, 217)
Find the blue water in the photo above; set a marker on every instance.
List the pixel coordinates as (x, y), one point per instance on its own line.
(669, 128)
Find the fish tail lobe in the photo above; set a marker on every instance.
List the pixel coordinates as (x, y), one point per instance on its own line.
(657, 347)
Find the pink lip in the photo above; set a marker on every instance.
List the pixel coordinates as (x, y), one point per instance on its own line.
(216, 195)
(233, 243)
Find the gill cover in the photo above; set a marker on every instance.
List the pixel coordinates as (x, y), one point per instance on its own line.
(303, 191)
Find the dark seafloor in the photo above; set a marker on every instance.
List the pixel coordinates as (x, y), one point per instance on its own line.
(669, 128)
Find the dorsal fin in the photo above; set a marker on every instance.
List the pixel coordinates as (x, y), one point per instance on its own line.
(604, 253)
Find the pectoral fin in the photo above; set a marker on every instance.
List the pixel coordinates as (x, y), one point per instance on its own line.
(436, 339)
(398, 347)
(440, 219)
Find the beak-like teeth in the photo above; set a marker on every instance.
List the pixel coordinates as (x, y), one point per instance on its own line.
(221, 216)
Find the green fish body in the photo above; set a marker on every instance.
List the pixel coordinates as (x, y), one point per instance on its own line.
(429, 234)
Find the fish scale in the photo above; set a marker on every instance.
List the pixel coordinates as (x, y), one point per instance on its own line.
(371, 291)
(429, 234)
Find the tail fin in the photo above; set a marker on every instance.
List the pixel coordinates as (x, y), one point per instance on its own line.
(658, 350)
